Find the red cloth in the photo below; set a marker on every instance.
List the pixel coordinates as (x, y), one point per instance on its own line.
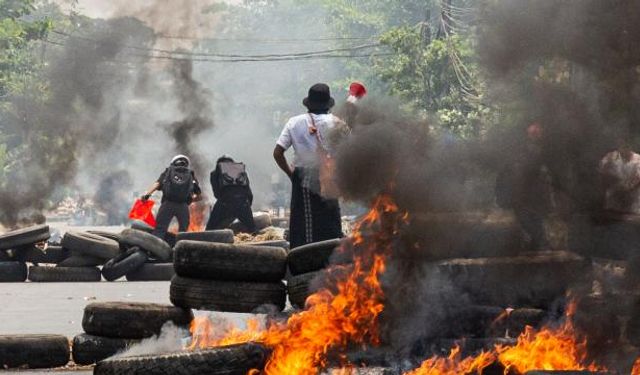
(357, 89)
(143, 211)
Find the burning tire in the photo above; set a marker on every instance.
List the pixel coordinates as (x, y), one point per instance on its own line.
(64, 274)
(88, 244)
(89, 349)
(124, 263)
(81, 261)
(228, 360)
(219, 236)
(24, 236)
(131, 320)
(51, 255)
(152, 272)
(13, 272)
(311, 257)
(530, 280)
(203, 260)
(33, 351)
(226, 296)
(158, 248)
(299, 287)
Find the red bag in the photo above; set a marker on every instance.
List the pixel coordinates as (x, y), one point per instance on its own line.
(142, 210)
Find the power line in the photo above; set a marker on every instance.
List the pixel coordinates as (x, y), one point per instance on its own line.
(236, 60)
(265, 40)
(174, 53)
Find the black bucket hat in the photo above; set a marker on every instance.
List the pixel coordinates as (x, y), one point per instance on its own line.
(319, 98)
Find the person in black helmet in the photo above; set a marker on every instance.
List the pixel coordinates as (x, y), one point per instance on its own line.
(179, 188)
(230, 184)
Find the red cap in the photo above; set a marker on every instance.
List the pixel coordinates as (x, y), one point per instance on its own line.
(357, 89)
(534, 131)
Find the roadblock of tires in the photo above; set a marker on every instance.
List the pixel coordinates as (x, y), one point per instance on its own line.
(16, 247)
(227, 277)
(112, 327)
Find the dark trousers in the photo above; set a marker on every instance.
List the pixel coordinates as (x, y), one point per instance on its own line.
(166, 213)
(313, 218)
(225, 211)
(532, 223)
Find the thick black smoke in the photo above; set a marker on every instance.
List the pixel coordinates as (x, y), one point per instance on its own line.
(588, 95)
(194, 101)
(53, 135)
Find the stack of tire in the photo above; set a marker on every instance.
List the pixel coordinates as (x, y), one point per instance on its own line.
(227, 277)
(20, 242)
(306, 263)
(88, 251)
(143, 257)
(112, 327)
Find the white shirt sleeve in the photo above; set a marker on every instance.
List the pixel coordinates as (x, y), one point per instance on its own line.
(284, 140)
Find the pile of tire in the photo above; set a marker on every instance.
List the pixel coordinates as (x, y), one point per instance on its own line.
(306, 265)
(144, 257)
(228, 277)
(86, 251)
(112, 327)
(17, 247)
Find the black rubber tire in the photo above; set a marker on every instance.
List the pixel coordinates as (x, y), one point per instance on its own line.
(139, 225)
(13, 272)
(207, 260)
(64, 274)
(152, 272)
(311, 257)
(226, 296)
(227, 360)
(219, 236)
(5, 257)
(89, 349)
(110, 235)
(299, 288)
(157, 247)
(131, 320)
(33, 351)
(81, 261)
(90, 245)
(284, 244)
(124, 263)
(51, 255)
(24, 236)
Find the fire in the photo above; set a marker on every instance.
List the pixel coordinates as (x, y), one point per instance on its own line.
(636, 367)
(335, 318)
(454, 364)
(347, 313)
(547, 349)
(197, 213)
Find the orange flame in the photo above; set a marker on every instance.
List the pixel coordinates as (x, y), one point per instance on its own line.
(636, 367)
(547, 349)
(454, 365)
(197, 213)
(333, 318)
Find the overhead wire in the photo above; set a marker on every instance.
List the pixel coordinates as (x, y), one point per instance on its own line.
(235, 59)
(208, 54)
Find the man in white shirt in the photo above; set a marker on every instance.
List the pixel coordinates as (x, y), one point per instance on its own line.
(313, 217)
(620, 170)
